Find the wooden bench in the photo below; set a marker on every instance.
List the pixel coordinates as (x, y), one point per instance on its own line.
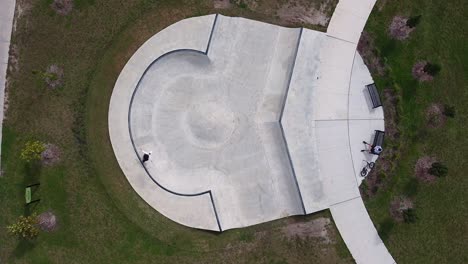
(374, 95)
(378, 140)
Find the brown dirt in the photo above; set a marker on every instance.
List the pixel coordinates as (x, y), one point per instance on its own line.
(419, 73)
(303, 12)
(51, 155)
(54, 76)
(398, 205)
(289, 12)
(435, 115)
(421, 169)
(366, 49)
(381, 4)
(47, 221)
(398, 28)
(316, 228)
(221, 4)
(13, 59)
(62, 7)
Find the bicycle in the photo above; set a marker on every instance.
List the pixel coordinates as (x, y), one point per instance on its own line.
(367, 168)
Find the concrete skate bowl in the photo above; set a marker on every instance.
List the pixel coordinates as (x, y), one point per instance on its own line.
(233, 112)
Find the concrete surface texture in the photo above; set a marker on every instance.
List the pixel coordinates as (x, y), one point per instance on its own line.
(248, 122)
(7, 12)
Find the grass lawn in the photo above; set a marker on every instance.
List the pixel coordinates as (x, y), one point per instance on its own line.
(101, 218)
(440, 234)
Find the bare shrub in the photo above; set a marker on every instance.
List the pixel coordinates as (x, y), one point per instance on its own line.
(51, 154)
(419, 72)
(398, 207)
(47, 221)
(53, 76)
(422, 167)
(62, 7)
(435, 115)
(399, 28)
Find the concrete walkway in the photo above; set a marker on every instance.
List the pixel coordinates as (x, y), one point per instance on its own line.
(7, 12)
(350, 216)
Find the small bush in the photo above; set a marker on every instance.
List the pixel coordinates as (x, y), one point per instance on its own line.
(409, 215)
(449, 110)
(413, 21)
(432, 69)
(438, 169)
(25, 227)
(243, 5)
(32, 151)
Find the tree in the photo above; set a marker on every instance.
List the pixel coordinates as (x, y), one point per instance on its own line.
(32, 151)
(449, 110)
(413, 21)
(431, 69)
(409, 215)
(25, 227)
(438, 169)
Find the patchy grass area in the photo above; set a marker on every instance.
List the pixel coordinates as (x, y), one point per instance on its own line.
(100, 219)
(440, 233)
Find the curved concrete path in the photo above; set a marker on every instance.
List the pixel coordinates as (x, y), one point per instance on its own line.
(7, 13)
(350, 216)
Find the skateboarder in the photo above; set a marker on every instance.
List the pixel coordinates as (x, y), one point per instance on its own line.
(146, 156)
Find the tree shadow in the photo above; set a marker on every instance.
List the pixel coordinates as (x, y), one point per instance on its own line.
(23, 247)
(385, 228)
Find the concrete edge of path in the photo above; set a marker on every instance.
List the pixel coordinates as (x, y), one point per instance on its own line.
(7, 14)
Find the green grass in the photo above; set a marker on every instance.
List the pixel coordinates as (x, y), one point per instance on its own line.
(440, 234)
(101, 218)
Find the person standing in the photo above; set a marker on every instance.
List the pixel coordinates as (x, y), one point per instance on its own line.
(146, 156)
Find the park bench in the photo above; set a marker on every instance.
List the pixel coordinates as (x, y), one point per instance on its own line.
(374, 95)
(28, 194)
(378, 139)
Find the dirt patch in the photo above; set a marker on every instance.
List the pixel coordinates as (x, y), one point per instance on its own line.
(53, 76)
(249, 4)
(399, 28)
(22, 8)
(13, 61)
(419, 73)
(62, 7)
(316, 228)
(381, 4)
(221, 4)
(435, 115)
(51, 155)
(47, 221)
(304, 12)
(367, 50)
(421, 169)
(398, 206)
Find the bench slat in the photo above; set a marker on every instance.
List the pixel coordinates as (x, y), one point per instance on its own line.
(374, 95)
